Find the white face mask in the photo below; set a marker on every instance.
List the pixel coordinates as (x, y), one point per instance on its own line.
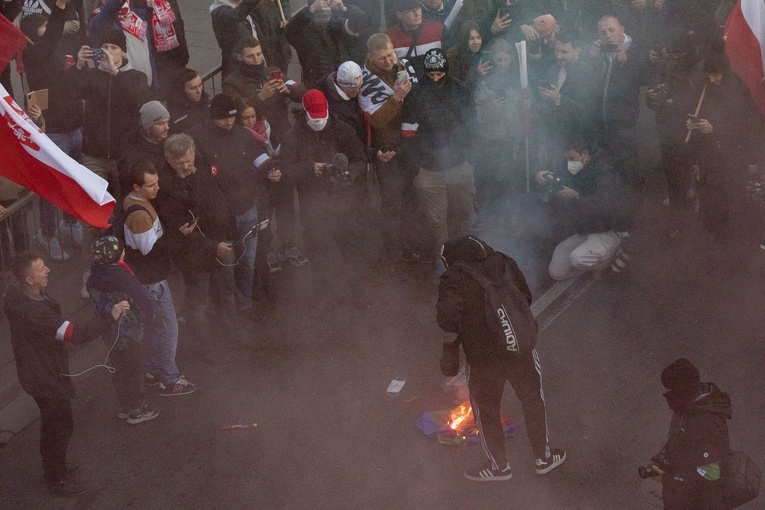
(317, 125)
(574, 167)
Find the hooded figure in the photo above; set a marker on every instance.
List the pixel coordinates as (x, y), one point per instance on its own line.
(697, 441)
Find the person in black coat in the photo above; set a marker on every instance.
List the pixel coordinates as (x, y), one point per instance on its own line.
(232, 20)
(688, 466)
(38, 336)
(461, 309)
(188, 103)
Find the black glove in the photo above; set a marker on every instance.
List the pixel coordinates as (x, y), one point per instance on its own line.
(450, 359)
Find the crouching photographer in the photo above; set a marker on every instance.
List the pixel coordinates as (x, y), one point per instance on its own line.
(591, 204)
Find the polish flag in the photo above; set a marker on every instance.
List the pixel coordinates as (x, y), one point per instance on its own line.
(30, 159)
(745, 46)
(12, 42)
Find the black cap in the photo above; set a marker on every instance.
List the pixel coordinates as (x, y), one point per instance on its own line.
(465, 249)
(405, 5)
(112, 36)
(681, 375)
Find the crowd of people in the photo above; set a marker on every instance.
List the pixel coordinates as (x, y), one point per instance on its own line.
(436, 113)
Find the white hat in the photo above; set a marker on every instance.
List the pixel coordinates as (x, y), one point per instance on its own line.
(348, 75)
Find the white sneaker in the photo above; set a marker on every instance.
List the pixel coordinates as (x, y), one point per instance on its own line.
(84, 290)
(53, 247)
(72, 230)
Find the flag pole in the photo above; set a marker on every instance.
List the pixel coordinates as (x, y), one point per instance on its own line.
(281, 9)
(520, 47)
(696, 113)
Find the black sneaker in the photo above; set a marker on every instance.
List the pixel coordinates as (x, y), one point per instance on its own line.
(484, 473)
(179, 387)
(555, 457)
(66, 487)
(142, 414)
(149, 380)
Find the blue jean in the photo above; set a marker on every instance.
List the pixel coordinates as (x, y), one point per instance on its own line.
(161, 335)
(71, 145)
(244, 271)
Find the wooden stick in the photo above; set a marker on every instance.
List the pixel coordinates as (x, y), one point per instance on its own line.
(281, 9)
(528, 170)
(698, 109)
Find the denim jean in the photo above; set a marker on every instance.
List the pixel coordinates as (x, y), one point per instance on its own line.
(161, 335)
(244, 271)
(71, 145)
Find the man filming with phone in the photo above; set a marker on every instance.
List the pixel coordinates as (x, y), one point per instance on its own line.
(266, 86)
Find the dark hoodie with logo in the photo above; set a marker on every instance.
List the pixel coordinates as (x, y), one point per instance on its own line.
(461, 306)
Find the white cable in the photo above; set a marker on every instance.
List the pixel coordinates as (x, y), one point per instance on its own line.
(236, 263)
(110, 369)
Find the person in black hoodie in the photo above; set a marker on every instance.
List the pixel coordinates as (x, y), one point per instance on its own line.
(437, 121)
(45, 64)
(688, 466)
(38, 336)
(461, 309)
(188, 102)
(112, 281)
(593, 207)
(232, 20)
(113, 93)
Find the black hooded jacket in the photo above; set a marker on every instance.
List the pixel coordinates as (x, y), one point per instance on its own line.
(462, 303)
(699, 435)
(184, 113)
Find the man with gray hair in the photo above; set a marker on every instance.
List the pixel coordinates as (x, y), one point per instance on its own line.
(200, 229)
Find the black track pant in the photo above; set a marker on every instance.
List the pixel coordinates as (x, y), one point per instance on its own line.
(486, 383)
(56, 427)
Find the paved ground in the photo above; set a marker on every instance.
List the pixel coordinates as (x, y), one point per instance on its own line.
(328, 436)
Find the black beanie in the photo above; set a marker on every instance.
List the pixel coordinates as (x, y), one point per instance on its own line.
(222, 107)
(680, 375)
(112, 36)
(465, 249)
(30, 23)
(435, 61)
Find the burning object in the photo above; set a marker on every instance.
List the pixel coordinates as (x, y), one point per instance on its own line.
(457, 426)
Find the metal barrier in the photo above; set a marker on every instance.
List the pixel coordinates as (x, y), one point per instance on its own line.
(209, 79)
(20, 230)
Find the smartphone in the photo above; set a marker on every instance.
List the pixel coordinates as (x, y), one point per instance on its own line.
(546, 85)
(276, 74)
(402, 76)
(98, 54)
(693, 118)
(487, 56)
(38, 98)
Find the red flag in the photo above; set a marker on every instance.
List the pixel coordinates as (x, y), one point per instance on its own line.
(12, 41)
(30, 159)
(745, 46)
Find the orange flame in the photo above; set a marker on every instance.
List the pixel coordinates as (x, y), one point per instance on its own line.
(461, 416)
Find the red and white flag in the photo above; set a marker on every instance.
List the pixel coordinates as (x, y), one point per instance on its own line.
(12, 42)
(31, 159)
(745, 46)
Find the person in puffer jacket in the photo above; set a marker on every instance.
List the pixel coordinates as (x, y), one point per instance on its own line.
(111, 281)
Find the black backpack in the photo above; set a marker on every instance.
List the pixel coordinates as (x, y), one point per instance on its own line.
(508, 316)
(117, 227)
(740, 479)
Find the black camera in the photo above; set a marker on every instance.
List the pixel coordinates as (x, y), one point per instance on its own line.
(552, 185)
(608, 47)
(647, 470)
(662, 91)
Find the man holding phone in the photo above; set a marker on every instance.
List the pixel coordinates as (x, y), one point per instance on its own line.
(266, 86)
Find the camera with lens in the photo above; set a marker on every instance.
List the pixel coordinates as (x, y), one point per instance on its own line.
(552, 185)
(336, 171)
(662, 91)
(647, 470)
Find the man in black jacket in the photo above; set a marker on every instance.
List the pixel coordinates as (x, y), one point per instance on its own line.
(145, 143)
(231, 151)
(688, 466)
(232, 20)
(188, 102)
(38, 336)
(592, 205)
(436, 120)
(461, 309)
